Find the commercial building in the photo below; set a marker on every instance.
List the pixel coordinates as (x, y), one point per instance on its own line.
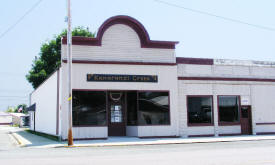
(125, 84)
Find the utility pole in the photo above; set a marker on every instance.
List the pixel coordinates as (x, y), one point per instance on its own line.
(69, 64)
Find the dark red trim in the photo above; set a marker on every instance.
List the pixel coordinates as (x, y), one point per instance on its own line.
(5, 123)
(200, 124)
(271, 123)
(265, 133)
(230, 134)
(87, 139)
(151, 137)
(57, 103)
(80, 126)
(239, 111)
(125, 20)
(197, 61)
(226, 79)
(229, 123)
(204, 135)
(119, 62)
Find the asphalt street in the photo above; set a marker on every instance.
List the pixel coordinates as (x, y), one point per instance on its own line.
(222, 153)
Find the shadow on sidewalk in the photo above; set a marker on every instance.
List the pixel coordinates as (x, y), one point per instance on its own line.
(31, 140)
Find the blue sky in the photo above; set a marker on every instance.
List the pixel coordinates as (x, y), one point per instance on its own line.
(199, 35)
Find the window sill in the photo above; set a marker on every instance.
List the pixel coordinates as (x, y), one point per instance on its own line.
(229, 123)
(80, 126)
(200, 124)
(154, 125)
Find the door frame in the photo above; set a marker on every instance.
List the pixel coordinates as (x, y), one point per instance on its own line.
(249, 119)
(124, 111)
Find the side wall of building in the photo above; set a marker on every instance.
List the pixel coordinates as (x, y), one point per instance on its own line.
(45, 98)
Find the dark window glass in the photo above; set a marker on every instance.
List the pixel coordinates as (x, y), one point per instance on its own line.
(228, 108)
(131, 108)
(153, 108)
(89, 108)
(199, 109)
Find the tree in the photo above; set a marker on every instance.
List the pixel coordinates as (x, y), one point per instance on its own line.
(21, 108)
(10, 110)
(50, 57)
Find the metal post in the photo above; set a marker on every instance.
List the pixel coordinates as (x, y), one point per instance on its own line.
(69, 64)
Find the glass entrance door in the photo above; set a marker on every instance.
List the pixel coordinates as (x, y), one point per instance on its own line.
(116, 108)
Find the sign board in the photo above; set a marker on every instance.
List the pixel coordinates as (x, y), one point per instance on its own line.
(122, 78)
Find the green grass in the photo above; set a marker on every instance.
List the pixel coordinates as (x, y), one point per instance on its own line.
(52, 137)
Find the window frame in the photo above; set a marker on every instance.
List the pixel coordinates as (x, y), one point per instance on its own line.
(126, 105)
(200, 124)
(169, 114)
(106, 97)
(222, 123)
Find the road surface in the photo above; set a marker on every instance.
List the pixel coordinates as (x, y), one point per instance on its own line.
(222, 153)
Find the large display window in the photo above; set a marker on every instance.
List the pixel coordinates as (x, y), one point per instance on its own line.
(153, 108)
(229, 107)
(200, 110)
(89, 108)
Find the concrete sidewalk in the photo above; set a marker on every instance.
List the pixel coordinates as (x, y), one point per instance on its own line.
(26, 139)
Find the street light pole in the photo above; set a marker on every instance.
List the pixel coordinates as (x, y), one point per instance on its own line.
(69, 64)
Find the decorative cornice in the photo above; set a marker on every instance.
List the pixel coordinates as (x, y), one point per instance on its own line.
(126, 20)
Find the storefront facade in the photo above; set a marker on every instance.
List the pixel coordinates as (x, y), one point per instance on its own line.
(125, 84)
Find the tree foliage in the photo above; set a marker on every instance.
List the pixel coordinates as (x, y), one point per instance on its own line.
(50, 56)
(21, 108)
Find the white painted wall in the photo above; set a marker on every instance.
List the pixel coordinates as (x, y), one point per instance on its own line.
(260, 95)
(31, 114)
(132, 131)
(90, 132)
(121, 43)
(238, 71)
(45, 98)
(167, 80)
(5, 119)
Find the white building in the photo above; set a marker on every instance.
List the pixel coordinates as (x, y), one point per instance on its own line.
(5, 118)
(125, 84)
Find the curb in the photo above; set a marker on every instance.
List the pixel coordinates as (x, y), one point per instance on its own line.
(17, 139)
(164, 143)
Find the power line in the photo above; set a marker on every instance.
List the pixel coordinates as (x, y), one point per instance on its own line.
(21, 18)
(14, 96)
(217, 16)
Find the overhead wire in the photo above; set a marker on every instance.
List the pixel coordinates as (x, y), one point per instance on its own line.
(215, 15)
(21, 18)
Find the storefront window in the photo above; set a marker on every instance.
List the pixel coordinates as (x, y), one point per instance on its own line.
(132, 108)
(199, 109)
(89, 108)
(153, 108)
(228, 108)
